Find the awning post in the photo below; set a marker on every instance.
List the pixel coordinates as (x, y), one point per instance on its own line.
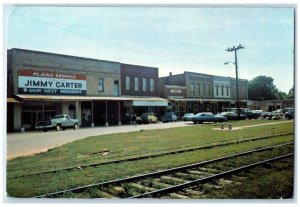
(76, 110)
(43, 109)
(22, 117)
(106, 122)
(119, 113)
(92, 109)
(61, 107)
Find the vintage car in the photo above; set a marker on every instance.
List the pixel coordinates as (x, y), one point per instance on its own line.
(274, 115)
(289, 113)
(169, 117)
(233, 116)
(207, 117)
(245, 111)
(146, 118)
(59, 122)
(187, 117)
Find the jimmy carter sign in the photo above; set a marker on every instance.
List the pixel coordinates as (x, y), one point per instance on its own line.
(43, 82)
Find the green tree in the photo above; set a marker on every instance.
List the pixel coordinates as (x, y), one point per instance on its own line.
(291, 93)
(262, 88)
(281, 95)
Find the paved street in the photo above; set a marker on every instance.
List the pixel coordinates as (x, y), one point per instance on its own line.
(20, 144)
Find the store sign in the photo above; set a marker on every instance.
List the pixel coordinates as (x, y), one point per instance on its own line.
(44, 82)
(175, 91)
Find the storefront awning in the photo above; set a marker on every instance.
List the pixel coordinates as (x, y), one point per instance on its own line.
(89, 98)
(12, 100)
(186, 99)
(199, 100)
(146, 103)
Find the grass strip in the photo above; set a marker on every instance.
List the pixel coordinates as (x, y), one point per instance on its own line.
(207, 146)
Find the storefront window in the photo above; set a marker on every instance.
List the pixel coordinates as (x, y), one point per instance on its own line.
(152, 85)
(101, 85)
(127, 83)
(199, 91)
(136, 84)
(222, 90)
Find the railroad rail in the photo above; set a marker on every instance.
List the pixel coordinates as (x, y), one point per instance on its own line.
(173, 151)
(171, 180)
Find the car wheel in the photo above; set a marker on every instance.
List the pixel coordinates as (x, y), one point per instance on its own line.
(58, 127)
(195, 122)
(76, 126)
(200, 122)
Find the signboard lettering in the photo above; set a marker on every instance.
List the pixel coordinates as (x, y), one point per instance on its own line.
(38, 82)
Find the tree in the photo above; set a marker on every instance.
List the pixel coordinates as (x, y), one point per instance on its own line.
(291, 93)
(262, 88)
(281, 95)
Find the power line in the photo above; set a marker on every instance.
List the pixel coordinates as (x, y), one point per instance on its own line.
(235, 49)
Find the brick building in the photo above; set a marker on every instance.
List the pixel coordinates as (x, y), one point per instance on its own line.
(203, 92)
(41, 85)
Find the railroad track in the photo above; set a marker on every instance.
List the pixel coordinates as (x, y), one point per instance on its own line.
(151, 155)
(169, 182)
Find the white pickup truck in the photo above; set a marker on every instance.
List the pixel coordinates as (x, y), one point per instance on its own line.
(59, 122)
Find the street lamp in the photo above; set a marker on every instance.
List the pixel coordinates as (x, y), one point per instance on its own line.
(228, 63)
(234, 48)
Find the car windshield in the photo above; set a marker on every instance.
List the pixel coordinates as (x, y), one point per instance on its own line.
(58, 117)
(189, 114)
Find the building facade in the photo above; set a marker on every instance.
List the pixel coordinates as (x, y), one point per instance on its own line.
(271, 105)
(41, 85)
(203, 92)
(243, 88)
(140, 81)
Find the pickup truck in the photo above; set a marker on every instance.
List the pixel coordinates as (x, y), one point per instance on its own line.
(147, 118)
(59, 122)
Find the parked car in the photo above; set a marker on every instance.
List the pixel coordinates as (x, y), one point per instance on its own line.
(245, 111)
(187, 117)
(289, 113)
(146, 118)
(233, 116)
(258, 112)
(43, 125)
(59, 122)
(207, 117)
(169, 116)
(274, 115)
(266, 115)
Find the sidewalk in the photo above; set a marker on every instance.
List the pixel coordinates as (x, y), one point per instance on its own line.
(28, 143)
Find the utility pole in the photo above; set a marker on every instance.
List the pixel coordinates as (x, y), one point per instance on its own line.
(234, 48)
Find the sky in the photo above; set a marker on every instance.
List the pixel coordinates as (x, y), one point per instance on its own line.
(174, 39)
